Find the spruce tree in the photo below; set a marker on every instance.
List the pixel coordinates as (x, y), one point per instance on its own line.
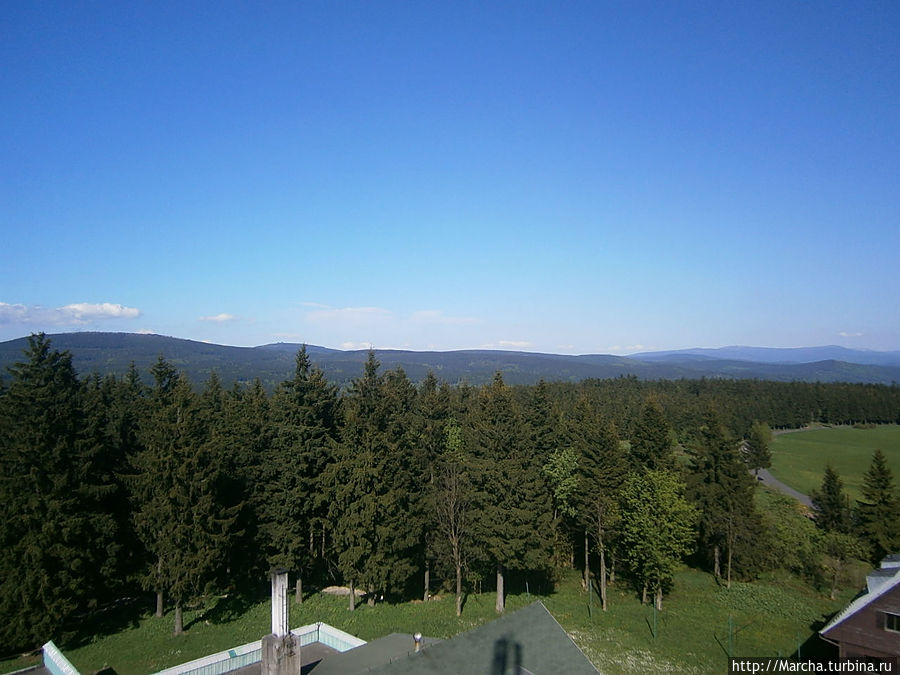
(293, 503)
(514, 527)
(651, 444)
(879, 509)
(57, 541)
(374, 482)
(756, 447)
(602, 467)
(831, 504)
(722, 489)
(176, 481)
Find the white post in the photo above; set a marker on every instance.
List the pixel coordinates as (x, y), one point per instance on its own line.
(280, 607)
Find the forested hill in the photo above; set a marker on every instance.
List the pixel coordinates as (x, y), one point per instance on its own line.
(113, 353)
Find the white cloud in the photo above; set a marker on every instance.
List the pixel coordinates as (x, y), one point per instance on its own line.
(351, 346)
(219, 317)
(619, 349)
(518, 344)
(69, 315)
(85, 311)
(846, 334)
(145, 331)
(436, 316)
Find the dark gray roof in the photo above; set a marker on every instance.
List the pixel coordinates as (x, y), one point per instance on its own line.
(527, 641)
(370, 655)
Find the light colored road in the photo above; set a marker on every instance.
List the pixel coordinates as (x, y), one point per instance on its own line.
(768, 479)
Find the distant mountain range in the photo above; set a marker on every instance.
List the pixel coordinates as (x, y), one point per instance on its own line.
(113, 353)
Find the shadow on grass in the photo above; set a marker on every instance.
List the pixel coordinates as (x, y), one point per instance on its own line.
(228, 608)
(120, 615)
(814, 648)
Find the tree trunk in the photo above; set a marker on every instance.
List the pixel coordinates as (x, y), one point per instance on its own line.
(612, 566)
(500, 606)
(644, 594)
(298, 594)
(717, 571)
(370, 597)
(427, 582)
(659, 598)
(728, 583)
(159, 592)
(587, 563)
(602, 577)
(458, 590)
(352, 596)
(179, 619)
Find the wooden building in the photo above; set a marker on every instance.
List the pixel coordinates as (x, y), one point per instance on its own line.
(869, 627)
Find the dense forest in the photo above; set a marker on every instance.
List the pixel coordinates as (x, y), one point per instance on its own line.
(113, 489)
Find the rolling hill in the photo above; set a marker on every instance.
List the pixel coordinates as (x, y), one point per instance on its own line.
(113, 353)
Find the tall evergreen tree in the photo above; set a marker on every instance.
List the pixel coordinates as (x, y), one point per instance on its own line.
(722, 489)
(514, 528)
(373, 481)
(602, 467)
(651, 443)
(879, 509)
(57, 542)
(294, 502)
(180, 514)
(831, 504)
(756, 448)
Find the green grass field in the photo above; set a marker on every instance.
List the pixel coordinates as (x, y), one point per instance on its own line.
(799, 458)
(769, 617)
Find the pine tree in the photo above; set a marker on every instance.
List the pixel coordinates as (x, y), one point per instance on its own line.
(722, 489)
(651, 444)
(180, 515)
(831, 505)
(602, 467)
(374, 481)
(879, 508)
(57, 543)
(514, 526)
(294, 501)
(757, 453)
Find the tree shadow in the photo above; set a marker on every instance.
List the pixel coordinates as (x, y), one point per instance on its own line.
(228, 608)
(110, 619)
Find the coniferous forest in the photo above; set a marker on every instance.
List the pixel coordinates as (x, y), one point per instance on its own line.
(111, 489)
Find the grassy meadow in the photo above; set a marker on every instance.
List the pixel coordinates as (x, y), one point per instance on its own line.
(799, 458)
(771, 616)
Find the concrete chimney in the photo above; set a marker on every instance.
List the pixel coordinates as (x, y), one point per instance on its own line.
(280, 606)
(280, 649)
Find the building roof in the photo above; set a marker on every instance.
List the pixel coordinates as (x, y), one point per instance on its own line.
(878, 582)
(529, 640)
(370, 655)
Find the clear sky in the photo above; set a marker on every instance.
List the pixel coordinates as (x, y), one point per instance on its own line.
(570, 177)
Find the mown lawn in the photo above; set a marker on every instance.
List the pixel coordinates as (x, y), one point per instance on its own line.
(799, 458)
(769, 617)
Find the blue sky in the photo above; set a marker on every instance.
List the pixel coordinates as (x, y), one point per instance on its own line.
(561, 177)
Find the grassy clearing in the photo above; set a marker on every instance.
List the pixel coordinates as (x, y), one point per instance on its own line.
(799, 459)
(769, 617)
